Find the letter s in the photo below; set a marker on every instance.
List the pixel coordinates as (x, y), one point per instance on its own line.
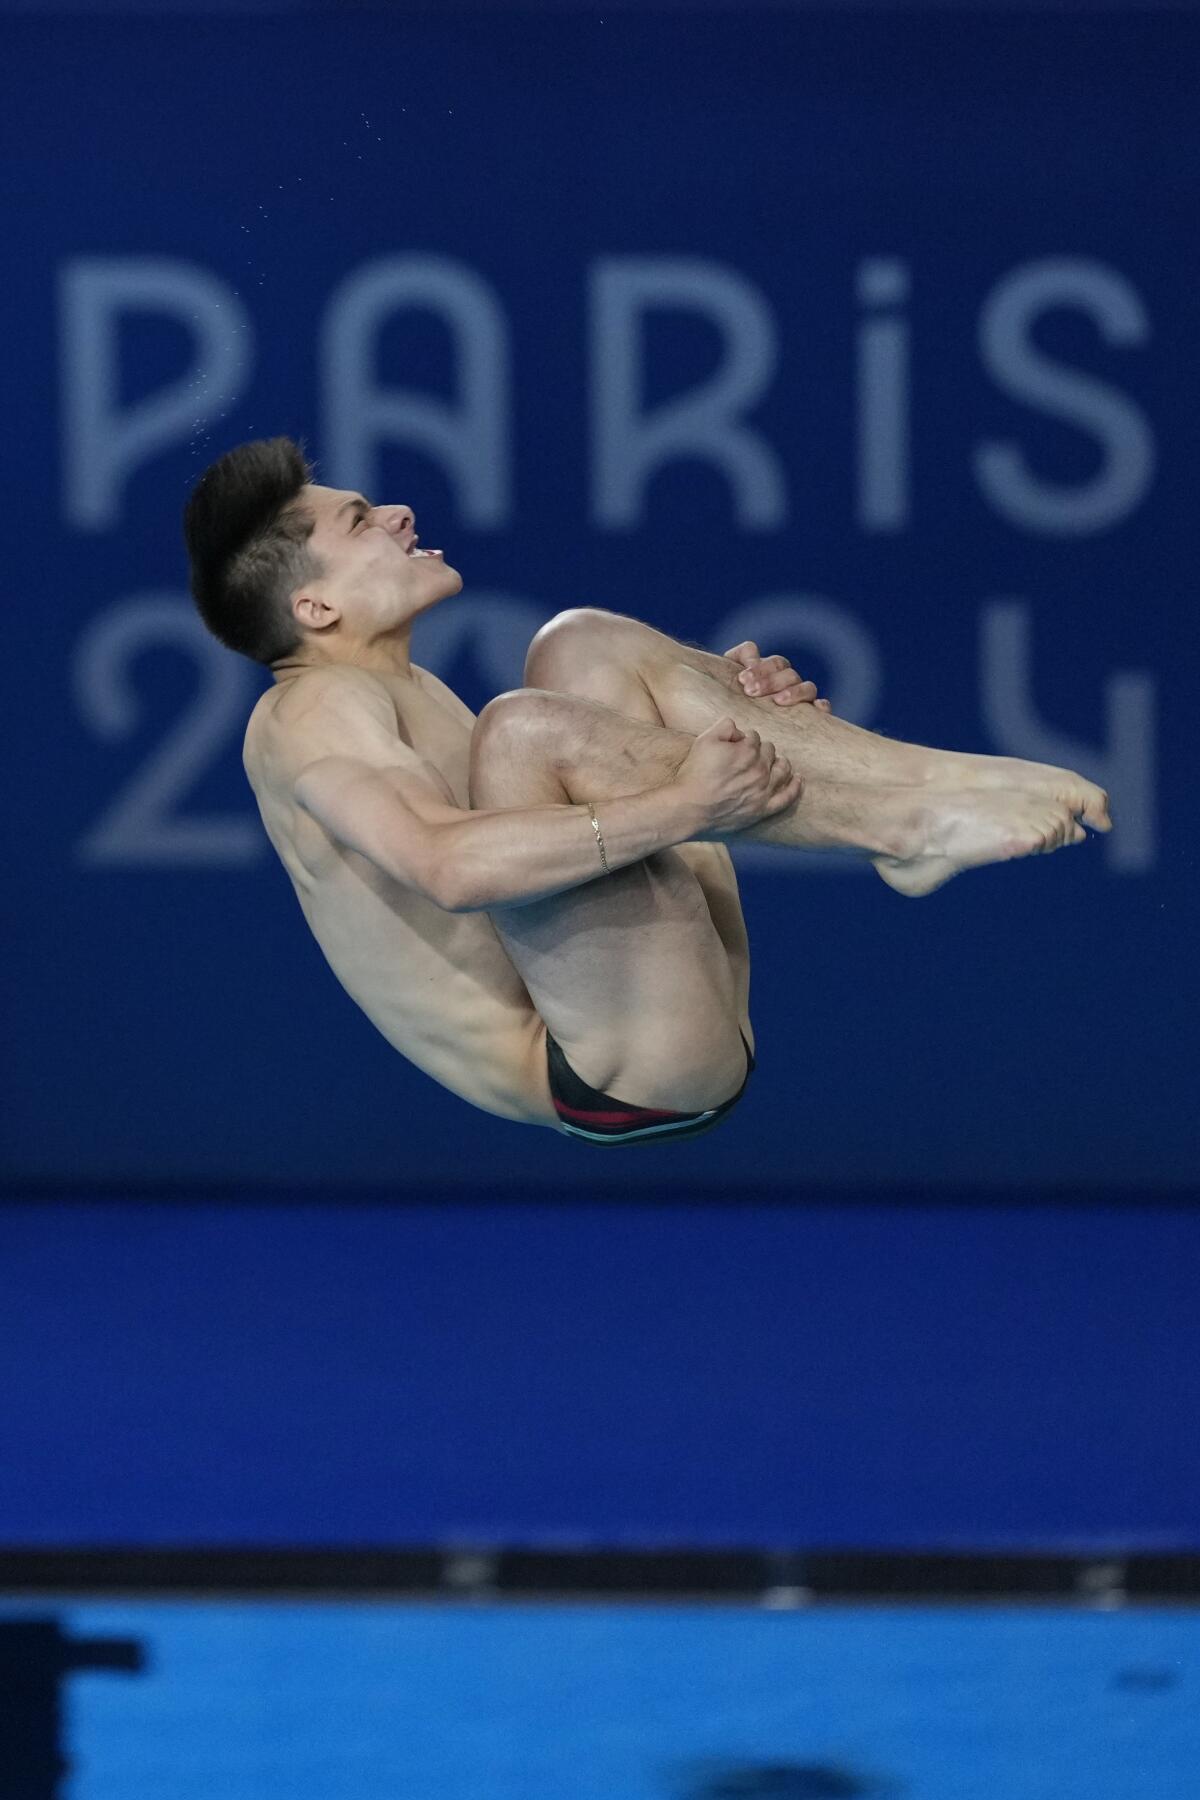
(1061, 510)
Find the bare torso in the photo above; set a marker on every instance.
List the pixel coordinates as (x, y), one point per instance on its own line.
(438, 985)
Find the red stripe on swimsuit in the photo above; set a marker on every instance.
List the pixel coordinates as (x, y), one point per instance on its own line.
(639, 1114)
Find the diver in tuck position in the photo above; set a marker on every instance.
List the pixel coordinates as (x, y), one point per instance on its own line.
(536, 906)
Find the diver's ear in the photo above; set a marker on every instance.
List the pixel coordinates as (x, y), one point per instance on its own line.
(313, 613)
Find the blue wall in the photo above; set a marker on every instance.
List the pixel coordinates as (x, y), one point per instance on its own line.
(946, 269)
(901, 1378)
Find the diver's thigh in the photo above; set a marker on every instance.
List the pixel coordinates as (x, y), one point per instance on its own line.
(633, 980)
(713, 868)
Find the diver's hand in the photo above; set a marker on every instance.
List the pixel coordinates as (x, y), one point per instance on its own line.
(773, 678)
(735, 779)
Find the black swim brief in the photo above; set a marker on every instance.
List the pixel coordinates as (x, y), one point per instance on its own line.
(583, 1112)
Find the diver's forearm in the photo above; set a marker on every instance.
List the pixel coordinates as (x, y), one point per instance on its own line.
(512, 858)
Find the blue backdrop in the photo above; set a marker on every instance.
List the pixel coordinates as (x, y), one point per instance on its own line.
(873, 339)
(829, 1376)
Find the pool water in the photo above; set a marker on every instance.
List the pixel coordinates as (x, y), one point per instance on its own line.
(390, 1701)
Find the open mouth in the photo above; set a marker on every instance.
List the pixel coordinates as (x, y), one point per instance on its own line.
(415, 552)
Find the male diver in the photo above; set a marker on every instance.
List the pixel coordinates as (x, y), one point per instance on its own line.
(536, 906)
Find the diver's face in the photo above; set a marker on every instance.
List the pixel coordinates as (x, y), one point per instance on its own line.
(377, 576)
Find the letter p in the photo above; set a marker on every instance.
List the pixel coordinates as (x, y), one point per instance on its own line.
(103, 441)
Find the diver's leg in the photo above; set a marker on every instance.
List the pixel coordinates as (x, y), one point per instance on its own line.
(578, 650)
(628, 971)
(875, 802)
(615, 683)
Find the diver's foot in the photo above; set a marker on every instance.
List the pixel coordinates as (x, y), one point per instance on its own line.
(967, 829)
(951, 769)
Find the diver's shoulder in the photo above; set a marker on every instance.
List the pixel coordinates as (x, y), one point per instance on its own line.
(313, 695)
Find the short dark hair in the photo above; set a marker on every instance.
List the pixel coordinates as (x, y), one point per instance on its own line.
(248, 545)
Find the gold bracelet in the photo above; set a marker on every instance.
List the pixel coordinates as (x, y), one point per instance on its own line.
(599, 837)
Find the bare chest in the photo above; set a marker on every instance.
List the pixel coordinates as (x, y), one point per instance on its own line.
(438, 726)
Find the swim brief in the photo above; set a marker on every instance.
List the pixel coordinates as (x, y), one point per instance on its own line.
(583, 1112)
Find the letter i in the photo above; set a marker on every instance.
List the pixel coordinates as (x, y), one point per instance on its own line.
(882, 376)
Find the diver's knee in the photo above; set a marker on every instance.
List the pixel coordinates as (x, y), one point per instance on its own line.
(521, 729)
(571, 642)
